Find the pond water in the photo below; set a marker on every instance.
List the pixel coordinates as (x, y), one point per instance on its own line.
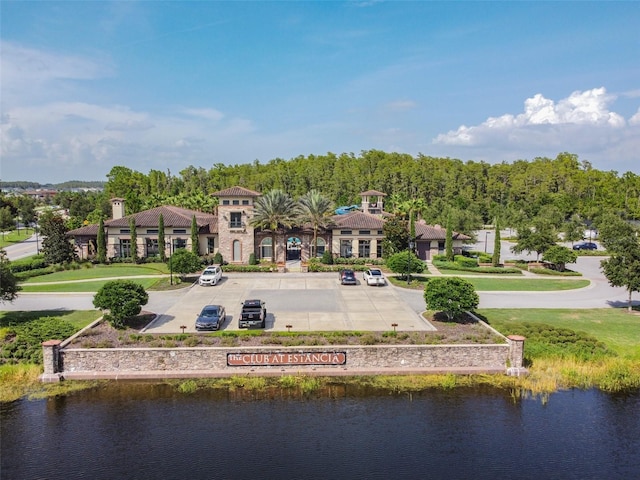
(146, 431)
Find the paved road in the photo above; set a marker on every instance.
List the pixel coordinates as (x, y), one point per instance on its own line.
(598, 295)
(311, 298)
(23, 249)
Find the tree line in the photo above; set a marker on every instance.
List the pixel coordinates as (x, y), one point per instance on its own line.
(470, 193)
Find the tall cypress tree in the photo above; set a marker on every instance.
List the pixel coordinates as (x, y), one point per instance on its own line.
(495, 260)
(102, 243)
(195, 242)
(448, 243)
(161, 246)
(134, 239)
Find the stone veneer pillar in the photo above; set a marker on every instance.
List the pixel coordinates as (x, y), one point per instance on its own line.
(516, 356)
(51, 359)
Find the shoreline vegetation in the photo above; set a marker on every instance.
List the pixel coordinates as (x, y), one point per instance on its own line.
(599, 351)
(614, 375)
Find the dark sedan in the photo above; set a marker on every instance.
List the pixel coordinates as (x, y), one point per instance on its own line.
(211, 318)
(585, 246)
(347, 277)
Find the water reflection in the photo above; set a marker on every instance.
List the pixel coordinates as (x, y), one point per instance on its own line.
(140, 431)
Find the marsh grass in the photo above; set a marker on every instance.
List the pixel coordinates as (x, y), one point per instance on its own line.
(23, 381)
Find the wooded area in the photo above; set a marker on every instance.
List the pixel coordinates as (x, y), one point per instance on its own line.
(474, 193)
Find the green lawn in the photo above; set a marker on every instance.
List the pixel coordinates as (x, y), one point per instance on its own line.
(525, 284)
(619, 330)
(78, 318)
(501, 284)
(446, 271)
(101, 271)
(14, 236)
(89, 286)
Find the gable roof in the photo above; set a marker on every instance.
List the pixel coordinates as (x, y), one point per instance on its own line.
(430, 232)
(236, 192)
(173, 217)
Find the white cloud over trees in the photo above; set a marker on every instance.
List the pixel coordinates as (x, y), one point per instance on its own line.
(587, 109)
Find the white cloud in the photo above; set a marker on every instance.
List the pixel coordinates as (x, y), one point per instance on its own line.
(582, 123)
(588, 109)
(28, 75)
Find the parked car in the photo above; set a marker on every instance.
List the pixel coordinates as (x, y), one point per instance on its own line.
(347, 277)
(374, 277)
(585, 246)
(211, 318)
(253, 314)
(210, 275)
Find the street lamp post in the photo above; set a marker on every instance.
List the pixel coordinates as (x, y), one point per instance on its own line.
(486, 236)
(170, 245)
(35, 229)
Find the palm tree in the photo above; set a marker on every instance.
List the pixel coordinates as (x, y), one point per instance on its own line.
(408, 209)
(272, 210)
(315, 209)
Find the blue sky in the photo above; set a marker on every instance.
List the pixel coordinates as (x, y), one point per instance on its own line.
(165, 85)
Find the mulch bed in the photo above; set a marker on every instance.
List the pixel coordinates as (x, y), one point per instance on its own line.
(465, 330)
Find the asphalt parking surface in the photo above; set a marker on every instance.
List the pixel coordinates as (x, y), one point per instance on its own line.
(302, 301)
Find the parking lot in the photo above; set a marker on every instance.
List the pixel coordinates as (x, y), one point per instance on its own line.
(301, 302)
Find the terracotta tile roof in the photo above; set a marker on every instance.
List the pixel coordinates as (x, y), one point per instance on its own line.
(373, 193)
(358, 220)
(174, 217)
(89, 231)
(236, 192)
(430, 232)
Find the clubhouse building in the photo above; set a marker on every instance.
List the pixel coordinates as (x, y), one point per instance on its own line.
(228, 230)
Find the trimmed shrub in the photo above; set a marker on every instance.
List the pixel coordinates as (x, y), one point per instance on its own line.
(327, 258)
(466, 261)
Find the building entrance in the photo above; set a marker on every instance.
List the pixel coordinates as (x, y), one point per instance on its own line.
(294, 248)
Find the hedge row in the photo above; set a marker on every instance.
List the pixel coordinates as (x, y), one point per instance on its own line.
(457, 266)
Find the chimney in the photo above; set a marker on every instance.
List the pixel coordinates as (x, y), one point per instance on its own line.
(117, 208)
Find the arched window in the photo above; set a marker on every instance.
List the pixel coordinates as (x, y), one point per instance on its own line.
(321, 247)
(266, 249)
(237, 251)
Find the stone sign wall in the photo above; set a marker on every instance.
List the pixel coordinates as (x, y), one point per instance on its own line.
(82, 363)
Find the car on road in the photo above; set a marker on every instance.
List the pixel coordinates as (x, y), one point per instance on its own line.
(374, 277)
(585, 246)
(347, 277)
(211, 318)
(210, 275)
(253, 314)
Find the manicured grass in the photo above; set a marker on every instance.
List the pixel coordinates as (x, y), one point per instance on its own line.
(14, 236)
(619, 330)
(500, 284)
(446, 271)
(88, 286)
(101, 271)
(78, 318)
(525, 284)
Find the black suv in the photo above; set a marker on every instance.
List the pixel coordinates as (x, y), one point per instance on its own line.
(253, 314)
(585, 246)
(347, 277)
